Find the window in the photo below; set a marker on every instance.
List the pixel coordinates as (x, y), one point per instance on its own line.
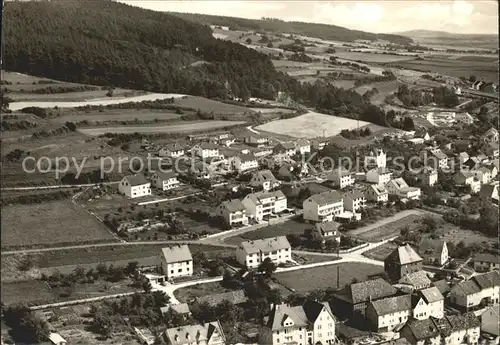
(172, 271)
(179, 270)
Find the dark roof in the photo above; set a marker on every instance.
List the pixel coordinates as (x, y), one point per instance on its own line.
(355, 194)
(431, 248)
(234, 205)
(416, 279)
(487, 280)
(392, 304)
(466, 288)
(374, 289)
(326, 197)
(247, 157)
(312, 309)
(487, 257)
(422, 329)
(431, 295)
(443, 286)
(166, 175)
(327, 227)
(136, 179)
(235, 297)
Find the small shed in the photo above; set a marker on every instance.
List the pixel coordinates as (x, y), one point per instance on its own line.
(56, 339)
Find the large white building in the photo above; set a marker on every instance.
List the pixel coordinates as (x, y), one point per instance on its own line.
(244, 162)
(134, 186)
(341, 178)
(323, 207)
(233, 212)
(165, 180)
(252, 253)
(377, 159)
(400, 188)
(311, 323)
(377, 193)
(206, 150)
(262, 204)
(384, 315)
(176, 261)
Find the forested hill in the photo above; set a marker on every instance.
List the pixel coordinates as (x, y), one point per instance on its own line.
(323, 31)
(108, 43)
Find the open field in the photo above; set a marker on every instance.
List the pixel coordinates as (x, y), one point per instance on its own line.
(485, 70)
(371, 57)
(117, 115)
(384, 88)
(187, 294)
(208, 105)
(380, 252)
(25, 291)
(185, 127)
(289, 227)
(50, 224)
(311, 125)
(325, 277)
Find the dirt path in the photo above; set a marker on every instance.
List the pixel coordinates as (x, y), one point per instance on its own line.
(382, 222)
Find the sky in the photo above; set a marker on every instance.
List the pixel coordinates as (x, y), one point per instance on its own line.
(459, 16)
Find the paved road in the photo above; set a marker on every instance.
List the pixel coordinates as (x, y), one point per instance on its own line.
(58, 186)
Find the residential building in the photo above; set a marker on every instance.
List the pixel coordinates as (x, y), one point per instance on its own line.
(252, 253)
(341, 178)
(323, 207)
(311, 323)
(263, 152)
(264, 179)
(172, 150)
(414, 281)
(491, 135)
(462, 158)
(56, 339)
(176, 261)
(480, 289)
(434, 252)
(206, 150)
(233, 212)
(401, 261)
(377, 193)
(437, 159)
(449, 330)
(428, 177)
(244, 162)
(134, 186)
(327, 230)
(302, 146)
(201, 170)
(318, 144)
(483, 174)
(492, 150)
(387, 314)
(464, 118)
(165, 180)
(486, 262)
(468, 178)
(353, 299)
(210, 333)
(256, 140)
(427, 303)
(262, 204)
(354, 200)
(473, 162)
(378, 176)
(182, 309)
(400, 188)
(285, 149)
(490, 325)
(377, 159)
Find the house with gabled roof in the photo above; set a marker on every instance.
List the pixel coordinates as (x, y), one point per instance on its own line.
(491, 135)
(389, 314)
(264, 179)
(341, 178)
(400, 188)
(376, 159)
(323, 207)
(206, 150)
(353, 299)
(434, 252)
(483, 174)
(176, 261)
(401, 261)
(172, 150)
(256, 140)
(134, 186)
(492, 150)
(468, 179)
(353, 200)
(377, 193)
(252, 253)
(326, 231)
(302, 146)
(428, 176)
(490, 324)
(165, 180)
(311, 323)
(318, 144)
(486, 262)
(233, 212)
(427, 303)
(210, 333)
(482, 288)
(378, 175)
(245, 162)
(262, 204)
(285, 149)
(438, 159)
(414, 281)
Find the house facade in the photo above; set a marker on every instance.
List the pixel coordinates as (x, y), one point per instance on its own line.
(427, 303)
(285, 149)
(311, 323)
(428, 177)
(244, 163)
(377, 159)
(264, 179)
(480, 289)
(377, 193)
(172, 150)
(256, 140)
(263, 204)
(323, 207)
(176, 261)
(326, 231)
(134, 186)
(400, 188)
(378, 176)
(302, 146)
(165, 180)
(233, 212)
(486, 262)
(252, 253)
(386, 314)
(341, 178)
(434, 252)
(210, 333)
(353, 201)
(401, 261)
(206, 150)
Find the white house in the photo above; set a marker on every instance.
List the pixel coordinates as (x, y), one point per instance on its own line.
(252, 253)
(172, 150)
(341, 178)
(428, 176)
(210, 333)
(491, 135)
(327, 230)
(377, 159)
(485, 262)
(434, 252)
(233, 212)
(302, 146)
(377, 193)
(323, 207)
(256, 140)
(384, 315)
(284, 149)
(428, 302)
(264, 179)
(438, 159)
(206, 150)
(483, 174)
(262, 204)
(378, 175)
(354, 200)
(470, 293)
(400, 188)
(244, 163)
(176, 261)
(467, 178)
(134, 186)
(311, 323)
(165, 180)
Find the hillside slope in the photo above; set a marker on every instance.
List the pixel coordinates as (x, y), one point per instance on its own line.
(107, 43)
(444, 38)
(323, 31)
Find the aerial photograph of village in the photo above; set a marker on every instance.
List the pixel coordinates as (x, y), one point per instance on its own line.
(235, 172)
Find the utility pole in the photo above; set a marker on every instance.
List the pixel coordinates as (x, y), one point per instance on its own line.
(338, 277)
